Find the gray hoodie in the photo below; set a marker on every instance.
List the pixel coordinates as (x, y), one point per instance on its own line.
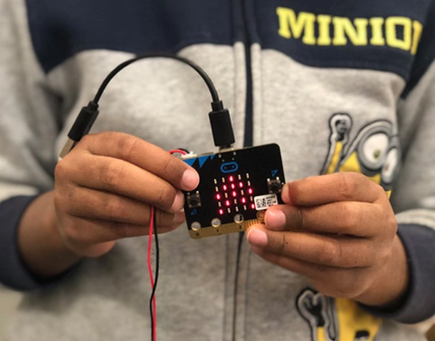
(339, 86)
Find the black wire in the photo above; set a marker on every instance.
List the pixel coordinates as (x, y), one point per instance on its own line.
(121, 66)
(156, 276)
(236, 282)
(184, 150)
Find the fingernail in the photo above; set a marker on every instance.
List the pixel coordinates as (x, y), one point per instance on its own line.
(275, 219)
(178, 202)
(190, 179)
(285, 194)
(257, 237)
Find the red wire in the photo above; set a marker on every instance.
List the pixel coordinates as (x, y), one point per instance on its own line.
(179, 151)
(150, 268)
(150, 271)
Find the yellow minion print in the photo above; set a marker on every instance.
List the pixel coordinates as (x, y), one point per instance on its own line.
(374, 151)
(336, 319)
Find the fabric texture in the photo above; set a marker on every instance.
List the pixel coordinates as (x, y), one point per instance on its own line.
(12, 270)
(289, 72)
(418, 242)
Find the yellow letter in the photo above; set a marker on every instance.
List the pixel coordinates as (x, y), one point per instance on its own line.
(290, 24)
(418, 29)
(391, 29)
(357, 35)
(377, 33)
(324, 30)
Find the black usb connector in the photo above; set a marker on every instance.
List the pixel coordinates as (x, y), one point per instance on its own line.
(81, 126)
(222, 129)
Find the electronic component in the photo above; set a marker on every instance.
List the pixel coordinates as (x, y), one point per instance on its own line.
(274, 185)
(235, 188)
(193, 200)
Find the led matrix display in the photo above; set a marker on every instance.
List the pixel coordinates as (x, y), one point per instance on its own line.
(234, 194)
(234, 187)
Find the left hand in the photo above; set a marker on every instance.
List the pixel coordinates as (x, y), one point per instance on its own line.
(339, 230)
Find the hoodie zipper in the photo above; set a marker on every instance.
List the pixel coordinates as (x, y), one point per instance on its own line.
(247, 142)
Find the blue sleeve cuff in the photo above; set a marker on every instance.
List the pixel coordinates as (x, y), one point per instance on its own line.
(419, 301)
(13, 272)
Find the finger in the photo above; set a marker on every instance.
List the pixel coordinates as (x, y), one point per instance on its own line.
(301, 267)
(319, 190)
(92, 204)
(144, 155)
(84, 233)
(337, 251)
(117, 176)
(331, 281)
(346, 217)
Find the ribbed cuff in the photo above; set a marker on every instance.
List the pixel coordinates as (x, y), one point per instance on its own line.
(419, 302)
(13, 272)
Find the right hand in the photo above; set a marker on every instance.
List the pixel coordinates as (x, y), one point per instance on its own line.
(105, 186)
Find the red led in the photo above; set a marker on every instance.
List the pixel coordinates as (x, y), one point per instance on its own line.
(250, 191)
(218, 196)
(243, 200)
(233, 186)
(241, 184)
(234, 193)
(228, 203)
(252, 206)
(225, 187)
(221, 212)
(231, 178)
